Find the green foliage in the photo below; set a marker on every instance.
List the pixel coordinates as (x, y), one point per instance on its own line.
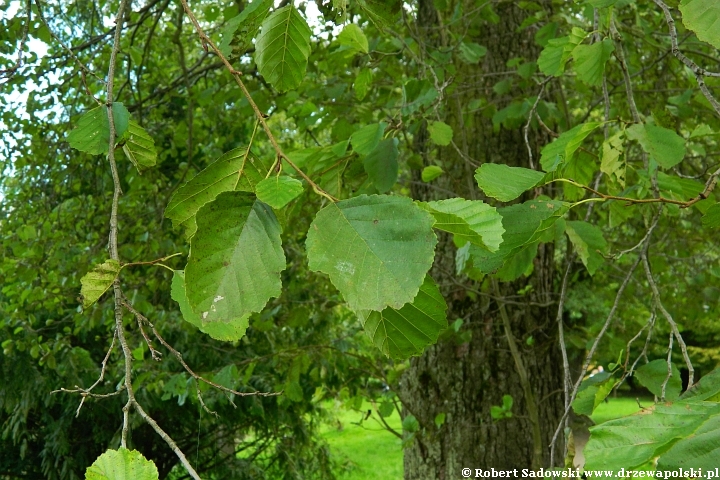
(237, 170)
(469, 221)
(504, 182)
(441, 133)
(97, 281)
(381, 164)
(401, 333)
(277, 191)
(430, 173)
(239, 31)
(564, 147)
(92, 134)
(654, 374)
(139, 147)
(663, 145)
(122, 464)
(593, 391)
(283, 48)
(702, 16)
(376, 249)
(500, 412)
(588, 242)
(590, 61)
(711, 219)
(353, 38)
(235, 258)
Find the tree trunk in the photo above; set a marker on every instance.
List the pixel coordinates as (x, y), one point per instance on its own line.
(460, 377)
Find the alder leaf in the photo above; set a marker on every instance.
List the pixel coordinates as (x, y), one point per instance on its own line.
(282, 48)
(506, 183)
(589, 242)
(376, 249)
(468, 220)
(239, 31)
(381, 12)
(381, 164)
(354, 39)
(589, 61)
(139, 147)
(557, 52)
(277, 191)
(237, 170)
(652, 375)
(703, 18)
(97, 281)
(611, 164)
(440, 133)
(564, 147)
(405, 332)
(224, 331)
(662, 144)
(122, 464)
(711, 219)
(362, 83)
(430, 173)
(235, 258)
(92, 135)
(471, 52)
(367, 138)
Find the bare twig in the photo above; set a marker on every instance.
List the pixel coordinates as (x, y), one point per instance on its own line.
(526, 128)
(178, 355)
(669, 368)
(668, 317)
(696, 69)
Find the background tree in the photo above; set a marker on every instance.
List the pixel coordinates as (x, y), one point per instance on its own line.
(561, 153)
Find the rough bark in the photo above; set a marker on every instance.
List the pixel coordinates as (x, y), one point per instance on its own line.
(463, 380)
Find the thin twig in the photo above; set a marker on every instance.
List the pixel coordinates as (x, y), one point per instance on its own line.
(207, 42)
(526, 128)
(669, 368)
(668, 317)
(178, 355)
(8, 73)
(697, 70)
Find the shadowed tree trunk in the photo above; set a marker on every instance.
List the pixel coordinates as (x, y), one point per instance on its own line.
(460, 377)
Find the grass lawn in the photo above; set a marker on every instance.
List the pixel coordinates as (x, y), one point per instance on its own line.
(369, 452)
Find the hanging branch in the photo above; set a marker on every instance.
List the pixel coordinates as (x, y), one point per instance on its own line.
(207, 42)
(113, 246)
(696, 69)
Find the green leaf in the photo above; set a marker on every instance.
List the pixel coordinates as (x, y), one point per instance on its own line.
(282, 48)
(592, 393)
(278, 191)
(122, 464)
(665, 146)
(557, 52)
(376, 249)
(430, 173)
(381, 164)
(367, 138)
(92, 134)
(139, 147)
(386, 409)
(601, 3)
(653, 374)
(708, 388)
(440, 133)
(237, 170)
(471, 52)
(224, 331)
(97, 281)
(235, 258)
(469, 220)
(565, 146)
(633, 441)
(588, 242)
(703, 18)
(440, 419)
(410, 424)
(590, 60)
(711, 219)
(381, 12)
(610, 164)
(238, 32)
(362, 84)
(406, 332)
(354, 39)
(506, 183)
(525, 224)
